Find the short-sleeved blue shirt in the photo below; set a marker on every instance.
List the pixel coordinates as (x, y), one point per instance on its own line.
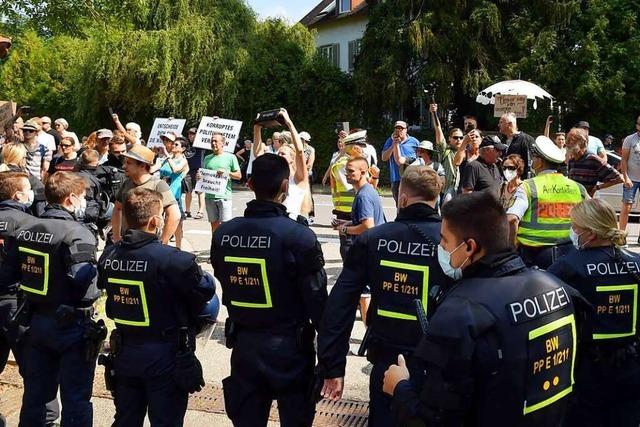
(407, 149)
(367, 204)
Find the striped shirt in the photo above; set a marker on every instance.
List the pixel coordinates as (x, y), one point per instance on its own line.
(590, 170)
(36, 158)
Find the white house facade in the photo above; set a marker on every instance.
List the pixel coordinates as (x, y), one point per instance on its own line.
(339, 26)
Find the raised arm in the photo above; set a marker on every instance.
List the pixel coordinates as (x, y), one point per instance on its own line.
(116, 121)
(301, 166)
(257, 147)
(440, 140)
(547, 126)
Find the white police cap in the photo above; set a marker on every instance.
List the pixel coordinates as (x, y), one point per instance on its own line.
(547, 149)
(359, 138)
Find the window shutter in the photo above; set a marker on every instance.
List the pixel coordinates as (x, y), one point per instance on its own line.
(352, 55)
(336, 55)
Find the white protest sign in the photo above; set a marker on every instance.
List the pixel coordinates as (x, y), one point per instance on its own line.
(162, 126)
(210, 125)
(7, 110)
(516, 104)
(211, 183)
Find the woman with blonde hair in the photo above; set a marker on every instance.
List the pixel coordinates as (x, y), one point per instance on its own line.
(14, 157)
(298, 199)
(607, 370)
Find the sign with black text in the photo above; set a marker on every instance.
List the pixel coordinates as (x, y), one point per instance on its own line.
(162, 126)
(211, 183)
(210, 125)
(516, 104)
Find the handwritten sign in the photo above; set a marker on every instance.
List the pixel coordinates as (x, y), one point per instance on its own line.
(211, 183)
(7, 110)
(162, 126)
(516, 104)
(210, 125)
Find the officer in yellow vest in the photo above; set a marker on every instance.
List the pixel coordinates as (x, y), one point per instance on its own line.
(542, 206)
(342, 192)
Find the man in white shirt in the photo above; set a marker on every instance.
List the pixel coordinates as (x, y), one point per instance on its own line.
(44, 138)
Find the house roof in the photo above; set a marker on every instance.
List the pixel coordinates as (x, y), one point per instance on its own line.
(325, 12)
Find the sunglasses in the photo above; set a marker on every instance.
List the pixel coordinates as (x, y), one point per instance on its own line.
(66, 145)
(459, 138)
(510, 168)
(28, 131)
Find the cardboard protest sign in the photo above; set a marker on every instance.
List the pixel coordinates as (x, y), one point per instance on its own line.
(162, 126)
(211, 183)
(210, 125)
(516, 104)
(7, 110)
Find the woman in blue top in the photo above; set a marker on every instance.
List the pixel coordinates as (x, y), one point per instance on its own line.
(173, 170)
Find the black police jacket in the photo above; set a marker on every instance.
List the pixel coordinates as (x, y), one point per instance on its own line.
(152, 289)
(499, 351)
(399, 260)
(271, 269)
(14, 216)
(39, 198)
(57, 261)
(111, 175)
(95, 207)
(609, 281)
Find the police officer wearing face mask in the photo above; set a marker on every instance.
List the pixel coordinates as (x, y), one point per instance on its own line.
(501, 345)
(274, 286)
(56, 260)
(539, 217)
(111, 173)
(399, 261)
(154, 295)
(607, 389)
(16, 196)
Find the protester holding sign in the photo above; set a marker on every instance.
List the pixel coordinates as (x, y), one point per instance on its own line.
(224, 165)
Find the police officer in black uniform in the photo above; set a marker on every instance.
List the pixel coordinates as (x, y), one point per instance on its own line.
(111, 173)
(271, 269)
(154, 295)
(607, 391)
(399, 261)
(56, 260)
(16, 197)
(500, 347)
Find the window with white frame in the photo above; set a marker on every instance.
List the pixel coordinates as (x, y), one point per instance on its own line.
(344, 6)
(330, 52)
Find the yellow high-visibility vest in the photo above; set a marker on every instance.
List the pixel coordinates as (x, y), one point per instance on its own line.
(341, 195)
(551, 198)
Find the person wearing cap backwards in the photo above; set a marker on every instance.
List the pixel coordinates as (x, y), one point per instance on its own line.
(274, 286)
(500, 347)
(539, 218)
(483, 173)
(400, 151)
(38, 156)
(194, 156)
(595, 145)
(137, 165)
(607, 389)
(398, 261)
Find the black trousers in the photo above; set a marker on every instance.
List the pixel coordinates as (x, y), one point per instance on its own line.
(265, 367)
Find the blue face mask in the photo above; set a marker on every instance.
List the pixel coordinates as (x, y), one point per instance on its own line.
(444, 258)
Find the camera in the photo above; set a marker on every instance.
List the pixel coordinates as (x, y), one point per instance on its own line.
(270, 118)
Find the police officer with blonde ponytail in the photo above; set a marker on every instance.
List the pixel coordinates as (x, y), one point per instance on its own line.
(607, 390)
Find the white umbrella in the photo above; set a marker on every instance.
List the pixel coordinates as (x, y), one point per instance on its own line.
(513, 87)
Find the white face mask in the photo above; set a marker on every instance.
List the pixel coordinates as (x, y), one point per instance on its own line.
(510, 175)
(575, 238)
(444, 259)
(30, 198)
(80, 211)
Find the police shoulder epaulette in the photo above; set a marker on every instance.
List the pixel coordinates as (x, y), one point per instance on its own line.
(302, 220)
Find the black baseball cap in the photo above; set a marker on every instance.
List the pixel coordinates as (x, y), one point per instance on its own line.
(493, 141)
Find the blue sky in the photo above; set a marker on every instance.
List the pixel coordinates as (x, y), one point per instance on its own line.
(293, 10)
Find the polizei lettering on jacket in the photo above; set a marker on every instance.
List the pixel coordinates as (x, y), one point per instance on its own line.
(612, 268)
(246, 242)
(538, 306)
(402, 247)
(125, 265)
(35, 236)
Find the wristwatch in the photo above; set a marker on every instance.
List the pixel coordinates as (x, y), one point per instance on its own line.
(344, 231)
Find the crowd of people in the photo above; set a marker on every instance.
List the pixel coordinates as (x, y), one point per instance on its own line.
(502, 292)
